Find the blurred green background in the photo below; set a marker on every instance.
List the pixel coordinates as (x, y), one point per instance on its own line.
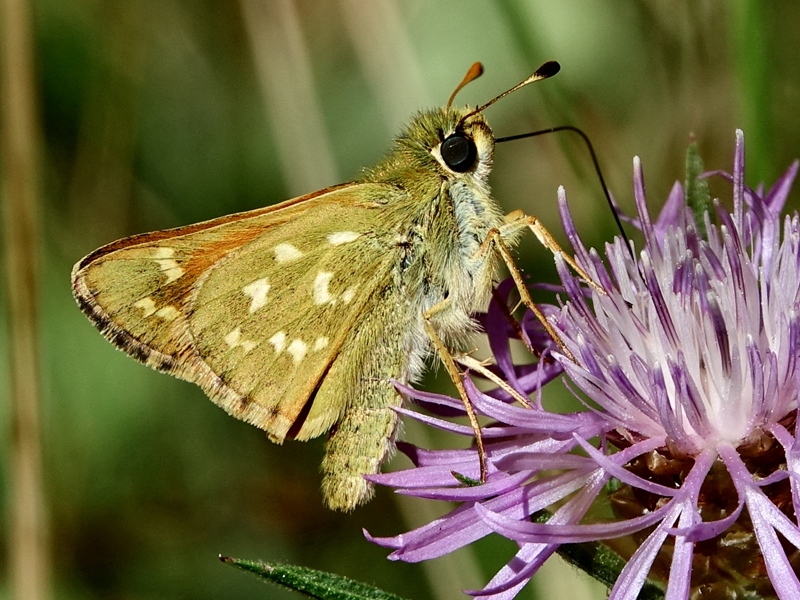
(155, 114)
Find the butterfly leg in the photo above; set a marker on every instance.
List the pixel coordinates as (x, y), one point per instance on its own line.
(452, 370)
(496, 240)
(517, 219)
(512, 322)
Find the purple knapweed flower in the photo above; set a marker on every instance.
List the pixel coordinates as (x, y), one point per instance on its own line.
(688, 371)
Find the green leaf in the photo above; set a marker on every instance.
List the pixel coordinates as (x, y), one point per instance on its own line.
(312, 583)
(698, 197)
(600, 562)
(604, 565)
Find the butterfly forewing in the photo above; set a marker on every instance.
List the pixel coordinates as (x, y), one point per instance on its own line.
(254, 308)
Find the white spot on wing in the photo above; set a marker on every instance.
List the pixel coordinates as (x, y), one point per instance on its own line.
(297, 348)
(258, 293)
(169, 313)
(147, 305)
(342, 237)
(278, 341)
(234, 340)
(170, 268)
(320, 292)
(248, 345)
(321, 343)
(164, 252)
(286, 252)
(348, 294)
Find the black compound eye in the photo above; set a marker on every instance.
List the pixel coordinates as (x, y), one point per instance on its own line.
(459, 152)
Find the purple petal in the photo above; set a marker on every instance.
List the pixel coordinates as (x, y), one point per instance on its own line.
(633, 576)
(672, 213)
(738, 179)
(526, 532)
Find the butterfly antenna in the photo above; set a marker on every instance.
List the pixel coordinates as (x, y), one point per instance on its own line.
(595, 162)
(475, 71)
(548, 69)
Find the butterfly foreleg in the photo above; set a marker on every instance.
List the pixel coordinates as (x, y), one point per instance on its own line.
(517, 219)
(495, 242)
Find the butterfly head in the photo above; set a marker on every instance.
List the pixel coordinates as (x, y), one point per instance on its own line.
(439, 143)
(457, 143)
(464, 145)
(451, 145)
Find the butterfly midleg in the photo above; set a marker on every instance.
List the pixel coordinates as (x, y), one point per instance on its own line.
(512, 322)
(480, 367)
(495, 242)
(452, 370)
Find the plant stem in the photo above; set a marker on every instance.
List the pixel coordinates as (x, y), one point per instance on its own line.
(28, 541)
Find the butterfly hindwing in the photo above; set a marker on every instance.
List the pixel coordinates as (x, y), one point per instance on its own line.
(272, 317)
(254, 307)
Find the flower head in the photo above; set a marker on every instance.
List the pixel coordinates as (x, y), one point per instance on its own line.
(688, 370)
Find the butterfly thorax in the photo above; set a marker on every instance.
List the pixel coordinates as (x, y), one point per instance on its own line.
(441, 217)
